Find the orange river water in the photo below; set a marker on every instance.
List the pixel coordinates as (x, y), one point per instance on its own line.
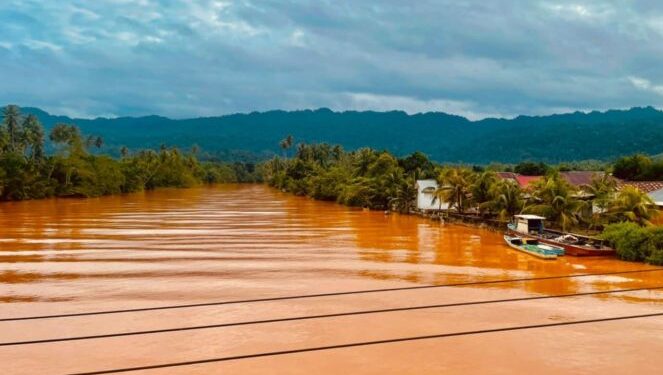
(237, 242)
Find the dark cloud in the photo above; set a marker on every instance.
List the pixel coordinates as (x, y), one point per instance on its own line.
(188, 58)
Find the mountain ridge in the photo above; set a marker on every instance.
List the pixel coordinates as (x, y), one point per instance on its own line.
(601, 135)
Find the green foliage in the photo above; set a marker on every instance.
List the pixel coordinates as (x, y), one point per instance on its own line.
(638, 167)
(363, 178)
(555, 199)
(455, 186)
(27, 172)
(481, 188)
(417, 166)
(631, 204)
(528, 168)
(505, 199)
(636, 243)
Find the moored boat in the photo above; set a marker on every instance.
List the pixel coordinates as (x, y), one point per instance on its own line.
(533, 247)
(573, 244)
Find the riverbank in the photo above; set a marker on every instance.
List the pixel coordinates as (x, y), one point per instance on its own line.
(378, 180)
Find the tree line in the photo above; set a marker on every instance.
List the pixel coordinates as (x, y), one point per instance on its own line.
(639, 167)
(27, 171)
(379, 180)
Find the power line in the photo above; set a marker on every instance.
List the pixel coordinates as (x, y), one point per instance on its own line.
(270, 299)
(363, 343)
(309, 317)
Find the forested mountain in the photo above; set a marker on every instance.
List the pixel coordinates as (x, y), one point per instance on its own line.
(444, 137)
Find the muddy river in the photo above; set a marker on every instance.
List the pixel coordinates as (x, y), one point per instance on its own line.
(250, 243)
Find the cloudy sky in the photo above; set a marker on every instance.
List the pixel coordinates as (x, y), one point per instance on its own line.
(187, 58)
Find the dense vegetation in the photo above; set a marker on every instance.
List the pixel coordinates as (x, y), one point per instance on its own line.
(638, 167)
(445, 138)
(365, 177)
(27, 171)
(379, 180)
(636, 243)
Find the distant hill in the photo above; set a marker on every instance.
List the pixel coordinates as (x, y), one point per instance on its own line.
(444, 137)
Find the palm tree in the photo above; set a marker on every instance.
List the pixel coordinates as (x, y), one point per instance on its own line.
(12, 116)
(631, 204)
(455, 184)
(554, 199)
(362, 160)
(33, 136)
(602, 187)
(285, 145)
(506, 199)
(480, 189)
(405, 196)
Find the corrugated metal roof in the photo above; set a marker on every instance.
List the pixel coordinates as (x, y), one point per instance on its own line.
(644, 186)
(578, 178)
(507, 175)
(525, 181)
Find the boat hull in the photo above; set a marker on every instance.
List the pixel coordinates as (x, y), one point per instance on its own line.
(525, 250)
(570, 249)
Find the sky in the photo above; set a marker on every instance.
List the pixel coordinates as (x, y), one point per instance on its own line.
(190, 58)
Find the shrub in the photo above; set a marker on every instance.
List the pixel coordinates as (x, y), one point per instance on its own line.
(631, 241)
(656, 246)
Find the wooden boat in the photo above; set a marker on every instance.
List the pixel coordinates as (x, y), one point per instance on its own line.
(533, 247)
(573, 244)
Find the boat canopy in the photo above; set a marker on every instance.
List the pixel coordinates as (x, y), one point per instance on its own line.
(529, 224)
(529, 217)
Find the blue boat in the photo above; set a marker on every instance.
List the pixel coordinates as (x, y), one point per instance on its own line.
(533, 247)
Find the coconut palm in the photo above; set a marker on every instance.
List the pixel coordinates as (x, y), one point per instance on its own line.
(405, 196)
(555, 199)
(33, 136)
(362, 160)
(480, 189)
(506, 199)
(631, 204)
(455, 185)
(602, 187)
(285, 145)
(12, 122)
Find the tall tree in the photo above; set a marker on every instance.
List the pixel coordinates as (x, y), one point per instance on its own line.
(555, 199)
(286, 144)
(455, 185)
(603, 188)
(480, 188)
(631, 204)
(506, 199)
(69, 135)
(12, 122)
(33, 135)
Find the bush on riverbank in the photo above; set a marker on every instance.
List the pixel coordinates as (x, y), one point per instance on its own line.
(27, 172)
(636, 243)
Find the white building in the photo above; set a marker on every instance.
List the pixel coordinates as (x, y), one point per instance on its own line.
(425, 196)
(657, 197)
